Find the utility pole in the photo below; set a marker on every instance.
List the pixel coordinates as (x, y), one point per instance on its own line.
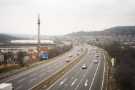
(38, 23)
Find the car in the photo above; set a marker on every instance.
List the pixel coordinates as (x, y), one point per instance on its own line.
(84, 66)
(95, 61)
(97, 55)
(67, 60)
(70, 56)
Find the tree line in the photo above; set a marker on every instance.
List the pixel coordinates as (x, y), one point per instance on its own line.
(124, 69)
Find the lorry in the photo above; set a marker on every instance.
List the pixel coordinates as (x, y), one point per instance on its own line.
(6, 86)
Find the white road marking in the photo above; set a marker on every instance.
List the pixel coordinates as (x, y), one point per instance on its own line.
(74, 82)
(62, 82)
(86, 83)
(103, 75)
(65, 74)
(21, 80)
(84, 76)
(33, 79)
(94, 76)
(53, 61)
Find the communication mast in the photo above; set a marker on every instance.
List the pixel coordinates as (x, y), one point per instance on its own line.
(38, 30)
(38, 47)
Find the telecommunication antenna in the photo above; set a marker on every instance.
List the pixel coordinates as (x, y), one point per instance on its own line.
(38, 22)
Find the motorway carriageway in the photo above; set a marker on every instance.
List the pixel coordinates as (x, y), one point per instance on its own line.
(77, 78)
(27, 79)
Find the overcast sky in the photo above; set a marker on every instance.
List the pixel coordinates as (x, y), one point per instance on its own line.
(64, 16)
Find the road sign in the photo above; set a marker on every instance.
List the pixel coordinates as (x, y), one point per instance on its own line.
(44, 49)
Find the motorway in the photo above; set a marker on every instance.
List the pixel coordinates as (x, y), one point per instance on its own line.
(27, 79)
(90, 78)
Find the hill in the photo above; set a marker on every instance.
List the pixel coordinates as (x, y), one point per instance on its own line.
(6, 37)
(114, 30)
(121, 30)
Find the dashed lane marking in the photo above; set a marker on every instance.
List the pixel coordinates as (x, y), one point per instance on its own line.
(74, 82)
(86, 83)
(62, 82)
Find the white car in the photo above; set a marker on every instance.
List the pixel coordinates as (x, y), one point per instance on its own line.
(84, 66)
(95, 61)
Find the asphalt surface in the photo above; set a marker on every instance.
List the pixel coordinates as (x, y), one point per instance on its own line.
(84, 79)
(27, 79)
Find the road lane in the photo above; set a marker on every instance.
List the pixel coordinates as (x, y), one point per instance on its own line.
(94, 81)
(82, 79)
(97, 84)
(27, 79)
(75, 75)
